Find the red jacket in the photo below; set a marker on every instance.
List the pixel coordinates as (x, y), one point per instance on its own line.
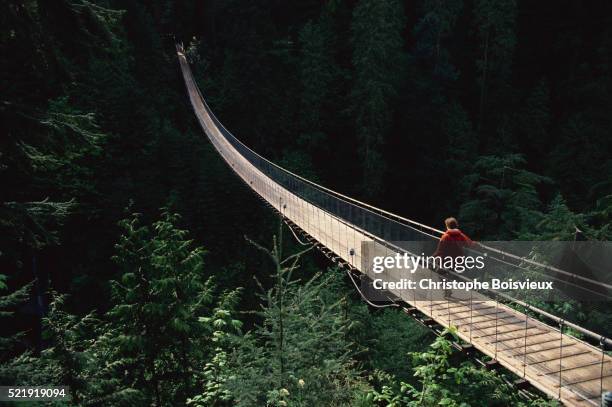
(452, 243)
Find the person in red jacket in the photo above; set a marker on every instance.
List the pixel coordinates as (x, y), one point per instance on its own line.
(453, 240)
(451, 244)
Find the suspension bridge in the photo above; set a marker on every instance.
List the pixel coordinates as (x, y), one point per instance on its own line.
(534, 345)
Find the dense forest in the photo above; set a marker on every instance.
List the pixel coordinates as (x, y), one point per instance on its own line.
(138, 270)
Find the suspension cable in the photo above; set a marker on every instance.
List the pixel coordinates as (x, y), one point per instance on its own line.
(293, 233)
(364, 297)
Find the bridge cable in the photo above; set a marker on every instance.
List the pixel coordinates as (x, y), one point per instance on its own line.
(293, 233)
(364, 297)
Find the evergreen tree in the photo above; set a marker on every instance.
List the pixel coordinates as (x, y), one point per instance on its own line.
(156, 306)
(378, 59)
(300, 353)
(69, 337)
(558, 223)
(319, 76)
(501, 197)
(462, 149)
(222, 328)
(433, 29)
(601, 217)
(317, 71)
(495, 22)
(12, 371)
(535, 120)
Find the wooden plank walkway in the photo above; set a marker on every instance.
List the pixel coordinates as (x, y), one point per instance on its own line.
(559, 365)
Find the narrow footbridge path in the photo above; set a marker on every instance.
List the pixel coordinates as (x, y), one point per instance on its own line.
(574, 371)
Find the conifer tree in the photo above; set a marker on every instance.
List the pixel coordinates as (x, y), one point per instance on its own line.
(378, 60)
(12, 371)
(156, 306)
(69, 337)
(502, 198)
(319, 76)
(495, 22)
(222, 329)
(434, 28)
(299, 354)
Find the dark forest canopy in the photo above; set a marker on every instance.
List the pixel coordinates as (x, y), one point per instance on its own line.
(494, 111)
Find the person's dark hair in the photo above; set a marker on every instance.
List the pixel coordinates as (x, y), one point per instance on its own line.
(451, 223)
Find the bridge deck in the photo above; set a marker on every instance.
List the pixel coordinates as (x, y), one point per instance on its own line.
(559, 365)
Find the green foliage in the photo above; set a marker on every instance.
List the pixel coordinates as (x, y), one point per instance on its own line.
(462, 146)
(16, 368)
(299, 161)
(442, 383)
(502, 198)
(377, 60)
(156, 306)
(385, 337)
(34, 224)
(221, 327)
(75, 356)
(300, 354)
(50, 162)
(601, 217)
(433, 31)
(534, 120)
(8, 302)
(317, 71)
(68, 335)
(495, 22)
(558, 223)
(163, 339)
(319, 76)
